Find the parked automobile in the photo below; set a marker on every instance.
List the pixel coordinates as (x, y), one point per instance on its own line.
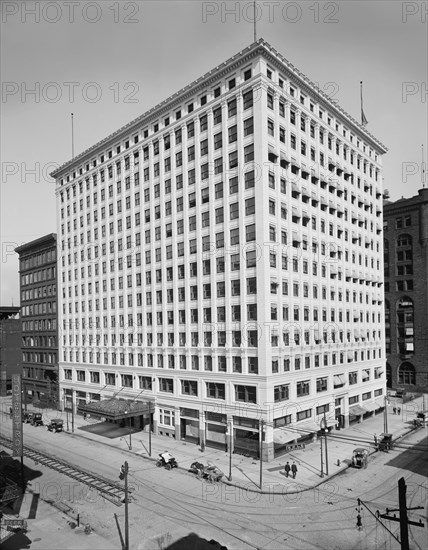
(37, 419)
(167, 461)
(211, 472)
(400, 392)
(27, 417)
(56, 425)
(360, 458)
(385, 442)
(421, 418)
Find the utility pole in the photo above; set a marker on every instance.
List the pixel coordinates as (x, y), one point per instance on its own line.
(124, 475)
(230, 449)
(150, 428)
(326, 452)
(385, 416)
(130, 434)
(322, 458)
(261, 450)
(403, 518)
(72, 412)
(404, 528)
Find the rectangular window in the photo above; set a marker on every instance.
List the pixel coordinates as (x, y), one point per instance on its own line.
(246, 394)
(281, 393)
(216, 390)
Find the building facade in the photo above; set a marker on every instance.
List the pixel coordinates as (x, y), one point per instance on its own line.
(406, 291)
(10, 344)
(38, 289)
(222, 258)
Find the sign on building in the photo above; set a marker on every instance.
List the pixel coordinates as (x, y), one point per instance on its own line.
(295, 447)
(17, 415)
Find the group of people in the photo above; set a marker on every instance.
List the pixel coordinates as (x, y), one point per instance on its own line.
(292, 468)
(396, 410)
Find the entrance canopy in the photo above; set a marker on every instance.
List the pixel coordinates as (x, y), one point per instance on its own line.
(282, 436)
(115, 409)
(357, 410)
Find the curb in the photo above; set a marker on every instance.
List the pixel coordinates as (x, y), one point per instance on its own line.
(225, 481)
(239, 485)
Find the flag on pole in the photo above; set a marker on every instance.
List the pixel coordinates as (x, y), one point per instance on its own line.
(363, 116)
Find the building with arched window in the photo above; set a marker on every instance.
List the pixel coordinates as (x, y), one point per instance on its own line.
(406, 291)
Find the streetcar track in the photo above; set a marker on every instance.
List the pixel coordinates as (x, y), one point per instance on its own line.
(110, 490)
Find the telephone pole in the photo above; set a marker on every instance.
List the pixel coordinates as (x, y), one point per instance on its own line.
(402, 517)
(124, 475)
(322, 458)
(326, 452)
(261, 451)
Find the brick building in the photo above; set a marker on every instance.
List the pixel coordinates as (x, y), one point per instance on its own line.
(222, 258)
(10, 346)
(38, 289)
(406, 291)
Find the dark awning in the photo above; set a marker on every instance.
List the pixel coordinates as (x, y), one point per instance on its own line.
(114, 409)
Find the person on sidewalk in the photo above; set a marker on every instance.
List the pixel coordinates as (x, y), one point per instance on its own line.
(287, 469)
(375, 441)
(294, 470)
(394, 410)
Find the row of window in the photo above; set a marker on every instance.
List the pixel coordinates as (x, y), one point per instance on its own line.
(38, 276)
(38, 292)
(43, 308)
(39, 357)
(39, 325)
(214, 390)
(36, 260)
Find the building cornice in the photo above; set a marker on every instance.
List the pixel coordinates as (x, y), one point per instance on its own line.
(261, 47)
(46, 240)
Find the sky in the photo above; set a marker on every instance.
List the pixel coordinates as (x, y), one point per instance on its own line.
(107, 62)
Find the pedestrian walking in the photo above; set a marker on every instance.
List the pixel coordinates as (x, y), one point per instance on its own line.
(294, 470)
(375, 440)
(398, 410)
(287, 469)
(394, 410)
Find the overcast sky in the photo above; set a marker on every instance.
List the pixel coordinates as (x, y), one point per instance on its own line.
(108, 62)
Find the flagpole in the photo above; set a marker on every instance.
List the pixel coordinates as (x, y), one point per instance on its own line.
(255, 26)
(423, 166)
(363, 116)
(72, 136)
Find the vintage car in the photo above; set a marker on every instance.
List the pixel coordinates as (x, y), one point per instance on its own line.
(37, 419)
(27, 417)
(211, 472)
(167, 461)
(56, 425)
(421, 418)
(360, 458)
(385, 442)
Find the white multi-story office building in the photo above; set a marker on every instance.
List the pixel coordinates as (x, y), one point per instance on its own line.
(222, 258)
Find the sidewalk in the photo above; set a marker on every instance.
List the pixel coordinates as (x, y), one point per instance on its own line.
(246, 471)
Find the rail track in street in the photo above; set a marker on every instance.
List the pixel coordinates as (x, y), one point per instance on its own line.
(109, 489)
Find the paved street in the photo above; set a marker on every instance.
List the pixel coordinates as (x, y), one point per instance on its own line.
(169, 505)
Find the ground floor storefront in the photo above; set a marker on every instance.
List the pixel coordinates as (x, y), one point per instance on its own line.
(229, 429)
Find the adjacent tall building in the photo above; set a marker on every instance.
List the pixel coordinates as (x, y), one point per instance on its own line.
(222, 258)
(406, 291)
(38, 287)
